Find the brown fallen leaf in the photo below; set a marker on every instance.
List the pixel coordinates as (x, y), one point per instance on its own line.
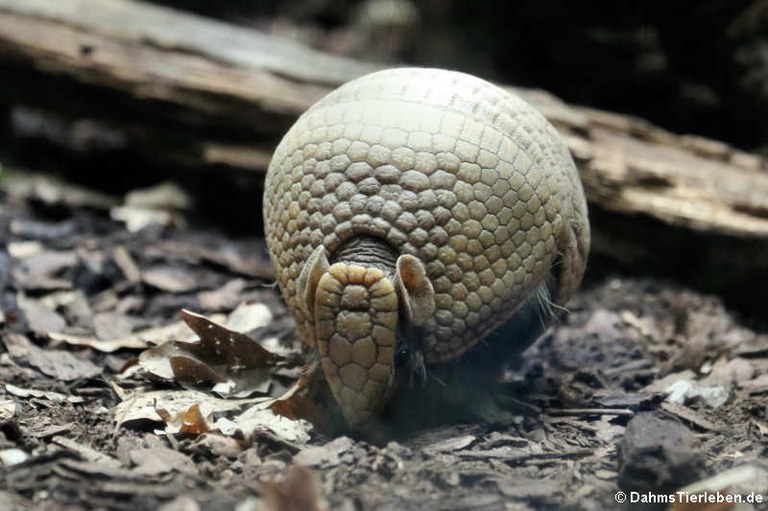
(142, 407)
(290, 417)
(218, 445)
(192, 412)
(234, 362)
(233, 348)
(294, 404)
(86, 452)
(306, 400)
(187, 368)
(298, 492)
(188, 422)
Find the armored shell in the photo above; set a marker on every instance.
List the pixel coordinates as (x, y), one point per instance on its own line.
(441, 165)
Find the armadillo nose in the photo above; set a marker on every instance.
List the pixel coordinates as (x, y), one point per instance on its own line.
(356, 312)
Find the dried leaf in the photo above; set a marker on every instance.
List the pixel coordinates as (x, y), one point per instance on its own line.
(260, 418)
(137, 340)
(157, 205)
(60, 364)
(145, 406)
(165, 195)
(450, 444)
(10, 457)
(188, 422)
(324, 456)
(22, 249)
(219, 445)
(297, 403)
(158, 460)
(241, 257)
(136, 219)
(56, 397)
(232, 360)
(757, 385)
(186, 368)
(7, 408)
(111, 325)
(249, 316)
(30, 185)
(40, 318)
(40, 271)
(86, 452)
(684, 391)
(233, 348)
(225, 297)
(127, 265)
(173, 279)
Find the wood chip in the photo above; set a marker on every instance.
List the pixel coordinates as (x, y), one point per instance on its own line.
(689, 416)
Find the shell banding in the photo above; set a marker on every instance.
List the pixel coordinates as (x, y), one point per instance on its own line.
(467, 186)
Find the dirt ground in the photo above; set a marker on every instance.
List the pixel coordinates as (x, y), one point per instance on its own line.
(87, 283)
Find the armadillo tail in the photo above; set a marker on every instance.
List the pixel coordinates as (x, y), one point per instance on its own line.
(356, 311)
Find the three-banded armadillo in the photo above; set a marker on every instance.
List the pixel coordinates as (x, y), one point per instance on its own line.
(417, 202)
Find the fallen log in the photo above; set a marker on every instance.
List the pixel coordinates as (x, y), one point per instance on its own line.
(111, 75)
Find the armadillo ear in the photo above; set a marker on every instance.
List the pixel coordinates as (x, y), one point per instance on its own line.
(306, 284)
(416, 292)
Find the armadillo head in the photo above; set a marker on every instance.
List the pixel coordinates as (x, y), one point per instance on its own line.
(358, 312)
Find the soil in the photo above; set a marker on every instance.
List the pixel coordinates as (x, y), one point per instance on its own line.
(550, 435)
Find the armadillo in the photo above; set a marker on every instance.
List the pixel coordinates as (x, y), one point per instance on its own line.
(418, 204)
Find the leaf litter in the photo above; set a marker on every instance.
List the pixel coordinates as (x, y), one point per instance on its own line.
(85, 416)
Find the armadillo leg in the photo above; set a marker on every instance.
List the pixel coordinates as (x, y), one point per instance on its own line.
(356, 324)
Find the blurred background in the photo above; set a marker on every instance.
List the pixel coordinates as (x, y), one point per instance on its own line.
(698, 67)
(691, 66)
